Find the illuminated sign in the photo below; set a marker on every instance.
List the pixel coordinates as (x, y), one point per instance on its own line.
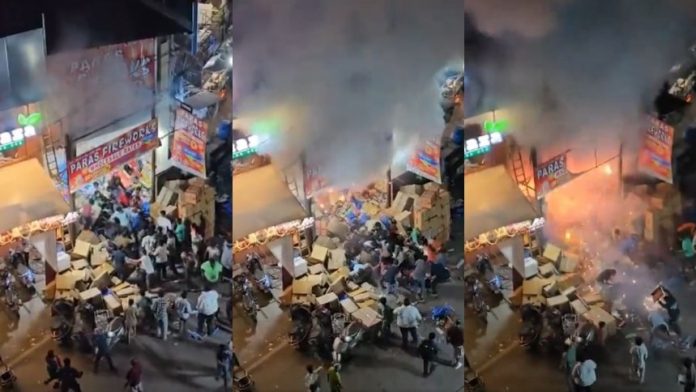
(245, 147)
(495, 126)
(482, 144)
(27, 128)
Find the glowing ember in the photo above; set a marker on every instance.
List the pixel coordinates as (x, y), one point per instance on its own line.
(607, 169)
(567, 235)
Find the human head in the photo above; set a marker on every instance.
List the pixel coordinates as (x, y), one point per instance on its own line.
(184, 294)
(407, 302)
(687, 362)
(131, 301)
(66, 361)
(602, 324)
(207, 287)
(431, 336)
(383, 300)
(163, 214)
(310, 369)
(638, 341)
(50, 354)
(160, 294)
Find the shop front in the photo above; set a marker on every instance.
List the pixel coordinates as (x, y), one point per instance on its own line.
(32, 210)
(268, 218)
(124, 161)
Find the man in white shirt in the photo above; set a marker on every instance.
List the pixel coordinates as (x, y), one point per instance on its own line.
(226, 258)
(639, 354)
(407, 319)
(164, 222)
(183, 311)
(584, 374)
(207, 307)
(161, 259)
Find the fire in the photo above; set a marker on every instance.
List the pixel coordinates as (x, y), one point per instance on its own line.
(567, 235)
(607, 169)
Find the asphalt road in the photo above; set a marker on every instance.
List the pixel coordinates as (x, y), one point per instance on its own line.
(173, 365)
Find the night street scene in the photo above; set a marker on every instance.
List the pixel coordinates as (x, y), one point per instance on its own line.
(115, 210)
(579, 195)
(347, 205)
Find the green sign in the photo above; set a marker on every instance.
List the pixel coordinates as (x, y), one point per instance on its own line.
(477, 152)
(496, 126)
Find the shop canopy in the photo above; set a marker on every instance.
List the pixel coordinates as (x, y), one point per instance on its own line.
(28, 194)
(261, 199)
(492, 199)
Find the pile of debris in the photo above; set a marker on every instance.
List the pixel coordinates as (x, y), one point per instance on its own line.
(556, 279)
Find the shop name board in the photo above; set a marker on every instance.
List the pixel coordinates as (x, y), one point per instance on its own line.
(482, 144)
(245, 147)
(495, 126)
(27, 128)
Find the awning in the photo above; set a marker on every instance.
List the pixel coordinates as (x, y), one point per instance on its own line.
(493, 200)
(261, 199)
(28, 194)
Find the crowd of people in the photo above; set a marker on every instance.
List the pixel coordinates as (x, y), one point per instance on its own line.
(408, 268)
(166, 256)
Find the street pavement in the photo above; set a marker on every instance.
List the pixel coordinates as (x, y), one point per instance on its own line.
(173, 365)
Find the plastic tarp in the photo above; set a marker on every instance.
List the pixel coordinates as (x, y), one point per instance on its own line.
(492, 199)
(28, 194)
(261, 199)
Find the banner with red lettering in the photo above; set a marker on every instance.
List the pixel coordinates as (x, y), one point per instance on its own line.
(655, 157)
(99, 161)
(188, 143)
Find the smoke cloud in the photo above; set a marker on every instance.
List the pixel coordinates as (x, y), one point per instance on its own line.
(352, 83)
(91, 88)
(577, 72)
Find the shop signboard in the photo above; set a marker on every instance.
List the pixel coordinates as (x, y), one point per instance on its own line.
(99, 161)
(655, 157)
(425, 162)
(188, 143)
(138, 59)
(551, 174)
(26, 128)
(482, 144)
(245, 146)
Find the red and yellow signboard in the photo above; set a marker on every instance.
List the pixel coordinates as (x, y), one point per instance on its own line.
(425, 162)
(188, 143)
(655, 157)
(99, 161)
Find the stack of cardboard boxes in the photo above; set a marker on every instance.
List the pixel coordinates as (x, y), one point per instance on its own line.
(431, 215)
(559, 283)
(426, 208)
(193, 200)
(87, 273)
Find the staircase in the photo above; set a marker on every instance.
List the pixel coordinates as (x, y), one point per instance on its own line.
(50, 157)
(520, 175)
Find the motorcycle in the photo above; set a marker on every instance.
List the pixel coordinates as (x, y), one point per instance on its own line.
(249, 302)
(479, 303)
(62, 321)
(12, 300)
(302, 330)
(115, 331)
(532, 325)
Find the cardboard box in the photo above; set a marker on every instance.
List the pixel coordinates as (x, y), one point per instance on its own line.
(533, 286)
(82, 249)
(552, 252)
(319, 253)
(569, 263)
(569, 280)
(596, 314)
(432, 186)
(348, 305)
(327, 299)
(404, 218)
(367, 316)
(337, 259)
(412, 190)
(579, 307)
(546, 270)
(427, 200)
(557, 301)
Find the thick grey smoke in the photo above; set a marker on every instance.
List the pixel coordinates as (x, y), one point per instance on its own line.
(88, 91)
(351, 82)
(579, 72)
